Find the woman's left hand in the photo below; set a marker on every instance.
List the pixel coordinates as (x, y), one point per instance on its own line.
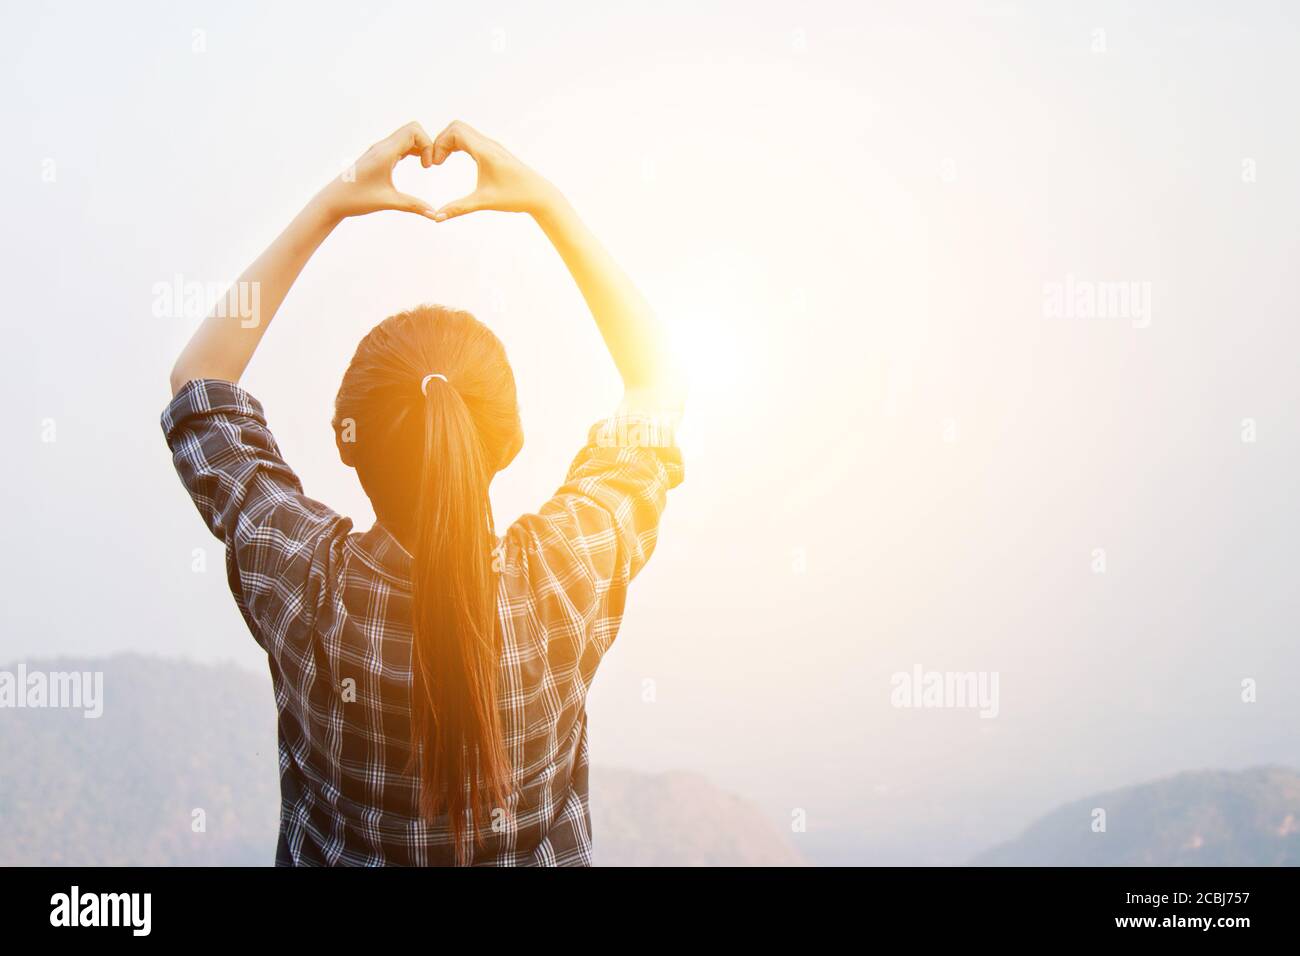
(367, 185)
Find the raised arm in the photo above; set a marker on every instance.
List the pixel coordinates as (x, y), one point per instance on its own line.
(635, 338)
(223, 345)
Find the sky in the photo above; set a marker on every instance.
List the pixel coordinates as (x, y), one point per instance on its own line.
(856, 220)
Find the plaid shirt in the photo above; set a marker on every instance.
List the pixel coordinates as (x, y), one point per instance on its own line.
(332, 610)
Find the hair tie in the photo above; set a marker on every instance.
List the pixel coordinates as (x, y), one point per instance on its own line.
(424, 382)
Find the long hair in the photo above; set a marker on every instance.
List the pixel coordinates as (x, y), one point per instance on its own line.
(425, 458)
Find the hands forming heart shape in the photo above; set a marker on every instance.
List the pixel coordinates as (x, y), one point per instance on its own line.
(504, 183)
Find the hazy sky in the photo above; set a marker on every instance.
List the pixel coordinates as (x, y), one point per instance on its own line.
(853, 216)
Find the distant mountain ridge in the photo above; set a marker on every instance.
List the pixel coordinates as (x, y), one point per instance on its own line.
(176, 736)
(1200, 818)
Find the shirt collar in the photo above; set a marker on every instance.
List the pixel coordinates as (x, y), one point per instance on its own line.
(384, 554)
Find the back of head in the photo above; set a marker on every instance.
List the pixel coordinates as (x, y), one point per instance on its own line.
(427, 414)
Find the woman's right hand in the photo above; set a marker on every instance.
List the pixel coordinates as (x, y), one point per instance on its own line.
(504, 183)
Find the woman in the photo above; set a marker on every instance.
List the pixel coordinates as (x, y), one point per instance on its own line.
(430, 677)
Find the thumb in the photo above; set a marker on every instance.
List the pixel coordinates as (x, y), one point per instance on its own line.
(408, 203)
(458, 207)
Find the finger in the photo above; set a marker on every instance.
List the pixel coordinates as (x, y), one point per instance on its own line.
(457, 137)
(444, 145)
(404, 202)
(458, 207)
(411, 140)
(422, 144)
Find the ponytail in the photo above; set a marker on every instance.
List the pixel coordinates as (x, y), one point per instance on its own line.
(431, 399)
(455, 652)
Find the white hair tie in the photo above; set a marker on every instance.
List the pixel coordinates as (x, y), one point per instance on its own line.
(424, 382)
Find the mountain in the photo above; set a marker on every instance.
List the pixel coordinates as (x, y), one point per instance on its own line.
(176, 737)
(1203, 818)
(679, 819)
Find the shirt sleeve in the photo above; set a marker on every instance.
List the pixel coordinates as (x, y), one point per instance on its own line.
(281, 546)
(587, 543)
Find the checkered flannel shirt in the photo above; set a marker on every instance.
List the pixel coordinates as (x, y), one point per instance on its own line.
(332, 609)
